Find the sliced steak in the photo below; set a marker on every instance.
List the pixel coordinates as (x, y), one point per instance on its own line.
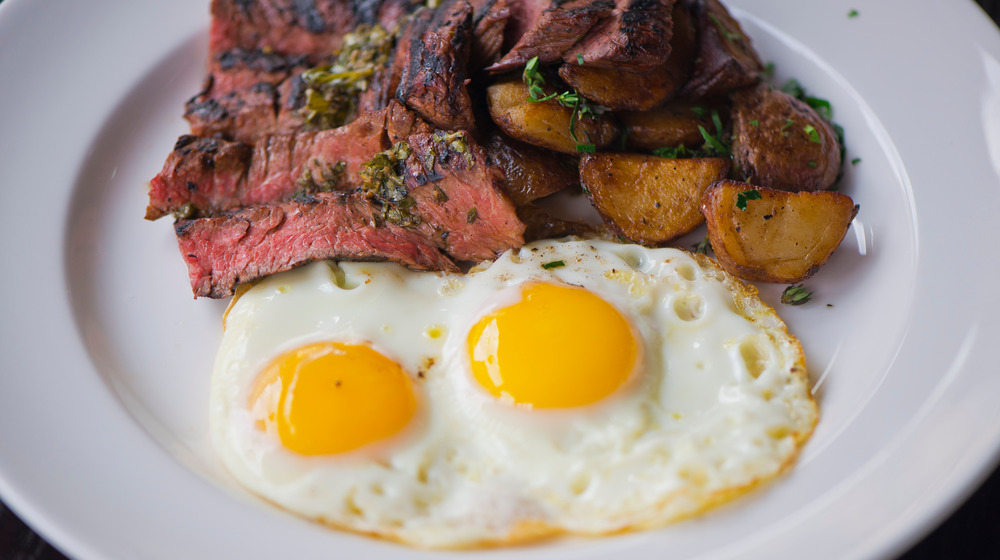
(252, 242)
(523, 14)
(434, 77)
(310, 27)
(489, 20)
(200, 175)
(635, 37)
(446, 187)
(203, 176)
(726, 57)
(241, 96)
(556, 29)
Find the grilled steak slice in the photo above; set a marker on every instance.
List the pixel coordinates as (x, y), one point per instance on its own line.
(622, 89)
(726, 57)
(226, 250)
(241, 95)
(636, 36)
(433, 81)
(489, 19)
(556, 29)
(445, 186)
(203, 176)
(241, 68)
(290, 26)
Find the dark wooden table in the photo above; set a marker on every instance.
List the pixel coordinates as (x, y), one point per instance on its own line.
(971, 533)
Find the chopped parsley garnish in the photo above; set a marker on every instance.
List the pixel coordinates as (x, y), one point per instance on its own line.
(813, 164)
(794, 88)
(812, 133)
(569, 99)
(579, 59)
(553, 264)
(855, 161)
(746, 196)
(383, 180)
(714, 144)
(852, 14)
(784, 128)
(702, 246)
(586, 148)
(795, 295)
(332, 89)
(822, 106)
(755, 123)
(732, 36)
(673, 152)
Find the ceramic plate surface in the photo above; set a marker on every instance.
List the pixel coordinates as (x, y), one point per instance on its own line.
(106, 356)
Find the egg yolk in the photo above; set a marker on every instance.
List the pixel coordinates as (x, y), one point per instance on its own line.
(560, 346)
(331, 397)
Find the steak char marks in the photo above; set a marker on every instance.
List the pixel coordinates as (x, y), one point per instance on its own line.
(434, 69)
(451, 193)
(431, 194)
(636, 36)
(311, 27)
(553, 31)
(204, 176)
(407, 193)
(244, 93)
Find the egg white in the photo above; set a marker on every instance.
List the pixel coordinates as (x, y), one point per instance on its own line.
(719, 405)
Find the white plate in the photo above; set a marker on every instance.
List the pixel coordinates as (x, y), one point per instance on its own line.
(106, 355)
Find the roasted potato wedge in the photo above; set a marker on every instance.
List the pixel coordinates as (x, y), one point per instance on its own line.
(545, 124)
(726, 57)
(781, 142)
(639, 91)
(647, 199)
(673, 124)
(781, 237)
(529, 172)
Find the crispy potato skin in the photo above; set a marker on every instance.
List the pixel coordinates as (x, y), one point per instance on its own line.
(726, 57)
(621, 89)
(529, 172)
(545, 124)
(673, 124)
(647, 199)
(777, 151)
(784, 237)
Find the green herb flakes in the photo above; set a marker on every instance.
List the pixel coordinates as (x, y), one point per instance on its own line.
(703, 246)
(795, 295)
(812, 133)
(553, 264)
(746, 196)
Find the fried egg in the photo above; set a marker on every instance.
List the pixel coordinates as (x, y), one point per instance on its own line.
(568, 387)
